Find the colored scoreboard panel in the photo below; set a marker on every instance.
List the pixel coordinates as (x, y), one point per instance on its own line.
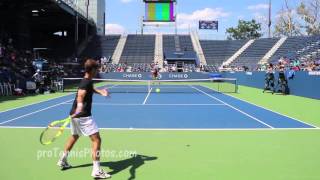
(159, 11)
(159, 0)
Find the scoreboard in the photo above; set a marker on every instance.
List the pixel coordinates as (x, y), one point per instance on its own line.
(159, 0)
(159, 11)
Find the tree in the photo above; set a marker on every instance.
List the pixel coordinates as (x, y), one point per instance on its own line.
(287, 23)
(310, 14)
(245, 30)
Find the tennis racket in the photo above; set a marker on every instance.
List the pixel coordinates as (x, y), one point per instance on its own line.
(53, 131)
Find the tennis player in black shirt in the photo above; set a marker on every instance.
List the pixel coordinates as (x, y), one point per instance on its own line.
(82, 123)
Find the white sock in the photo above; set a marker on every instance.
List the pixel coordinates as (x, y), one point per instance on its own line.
(64, 156)
(96, 165)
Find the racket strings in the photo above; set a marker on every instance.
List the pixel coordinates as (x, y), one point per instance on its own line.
(50, 134)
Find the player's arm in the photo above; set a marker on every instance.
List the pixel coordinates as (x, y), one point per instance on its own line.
(102, 92)
(80, 98)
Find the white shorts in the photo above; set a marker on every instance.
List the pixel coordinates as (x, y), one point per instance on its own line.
(85, 126)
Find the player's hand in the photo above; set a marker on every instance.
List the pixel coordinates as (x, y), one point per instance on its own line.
(105, 93)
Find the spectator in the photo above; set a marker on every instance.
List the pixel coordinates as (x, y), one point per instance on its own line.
(1, 51)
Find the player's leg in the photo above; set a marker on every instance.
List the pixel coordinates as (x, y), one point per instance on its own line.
(158, 78)
(153, 77)
(63, 162)
(75, 131)
(97, 172)
(70, 143)
(96, 146)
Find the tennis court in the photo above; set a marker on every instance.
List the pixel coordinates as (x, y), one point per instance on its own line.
(186, 131)
(176, 106)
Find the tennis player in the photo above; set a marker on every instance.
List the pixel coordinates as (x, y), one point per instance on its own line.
(82, 124)
(155, 72)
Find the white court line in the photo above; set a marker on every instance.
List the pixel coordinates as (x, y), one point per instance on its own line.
(272, 111)
(252, 117)
(109, 104)
(174, 129)
(145, 100)
(34, 112)
(144, 87)
(36, 103)
(106, 86)
(71, 93)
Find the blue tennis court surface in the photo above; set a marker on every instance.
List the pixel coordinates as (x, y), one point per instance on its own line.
(200, 109)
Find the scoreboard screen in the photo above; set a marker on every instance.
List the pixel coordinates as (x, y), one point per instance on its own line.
(159, 0)
(159, 12)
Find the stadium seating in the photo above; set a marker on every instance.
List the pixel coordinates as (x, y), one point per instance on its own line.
(177, 43)
(310, 51)
(210, 68)
(292, 46)
(186, 43)
(102, 46)
(135, 67)
(254, 53)
(138, 49)
(216, 52)
(141, 67)
(189, 68)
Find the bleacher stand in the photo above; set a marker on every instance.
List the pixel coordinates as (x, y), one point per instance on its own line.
(138, 49)
(177, 43)
(209, 68)
(189, 68)
(102, 46)
(136, 67)
(254, 53)
(216, 52)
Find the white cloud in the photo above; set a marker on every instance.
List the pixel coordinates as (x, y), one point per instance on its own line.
(114, 29)
(241, 17)
(191, 20)
(126, 1)
(260, 14)
(261, 18)
(292, 13)
(258, 7)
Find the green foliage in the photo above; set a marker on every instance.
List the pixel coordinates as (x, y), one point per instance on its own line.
(245, 30)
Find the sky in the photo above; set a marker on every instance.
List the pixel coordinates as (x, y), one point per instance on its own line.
(124, 16)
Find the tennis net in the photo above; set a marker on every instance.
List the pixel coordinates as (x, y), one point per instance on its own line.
(213, 85)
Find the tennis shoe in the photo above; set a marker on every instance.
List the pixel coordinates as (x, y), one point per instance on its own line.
(63, 164)
(100, 174)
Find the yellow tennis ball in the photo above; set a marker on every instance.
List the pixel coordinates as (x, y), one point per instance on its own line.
(157, 90)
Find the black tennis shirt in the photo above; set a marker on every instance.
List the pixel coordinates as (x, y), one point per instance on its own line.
(85, 84)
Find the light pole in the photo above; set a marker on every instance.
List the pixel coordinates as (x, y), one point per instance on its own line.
(269, 23)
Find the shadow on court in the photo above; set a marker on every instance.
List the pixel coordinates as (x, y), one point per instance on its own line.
(117, 166)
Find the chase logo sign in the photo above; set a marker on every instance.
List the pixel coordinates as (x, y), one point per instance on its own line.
(132, 75)
(314, 73)
(178, 76)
